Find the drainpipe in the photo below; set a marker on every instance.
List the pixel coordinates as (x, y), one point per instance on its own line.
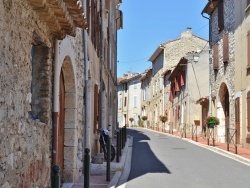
(55, 115)
(101, 64)
(209, 69)
(87, 92)
(87, 108)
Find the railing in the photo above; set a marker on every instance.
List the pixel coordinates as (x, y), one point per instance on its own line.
(232, 138)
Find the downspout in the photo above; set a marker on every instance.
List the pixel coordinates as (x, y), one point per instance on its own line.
(209, 69)
(100, 63)
(55, 114)
(87, 90)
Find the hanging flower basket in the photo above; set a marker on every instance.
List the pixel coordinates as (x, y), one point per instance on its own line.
(212, 121)
(163, 119)
(144, 118)
(131, 119)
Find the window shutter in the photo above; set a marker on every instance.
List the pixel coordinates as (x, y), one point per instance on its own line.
(216, 56)
(220, 16)
(177, 87)
(248, 48)
(182, 78)
(248, 111)
(96, 109)
(226, 48)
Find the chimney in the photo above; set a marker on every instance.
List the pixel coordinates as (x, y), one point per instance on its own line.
(187, 33)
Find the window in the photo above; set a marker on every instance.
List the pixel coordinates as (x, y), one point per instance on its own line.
(226, 48)
(220, 16)
(135, 101)
(125, 101)
(215, 56)
(248, 114)
(144, 94)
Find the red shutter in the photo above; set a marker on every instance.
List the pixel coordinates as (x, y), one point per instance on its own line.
(182, 78)
(248, 111)
(177, 87)
(226, 48)
(216, 56)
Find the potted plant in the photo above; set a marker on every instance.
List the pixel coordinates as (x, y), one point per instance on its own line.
(131, 120)
(212, 121)
(163, 119)
(144, 118)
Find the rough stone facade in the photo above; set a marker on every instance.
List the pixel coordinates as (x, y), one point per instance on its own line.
(224, 78)
(24, 141)
(27, 99)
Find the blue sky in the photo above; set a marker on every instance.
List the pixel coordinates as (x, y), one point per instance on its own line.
(148, 23)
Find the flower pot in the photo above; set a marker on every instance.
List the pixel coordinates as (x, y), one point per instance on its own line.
(211, 125)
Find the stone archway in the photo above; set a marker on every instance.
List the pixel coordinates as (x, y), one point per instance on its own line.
(223, 111)
(70, 129)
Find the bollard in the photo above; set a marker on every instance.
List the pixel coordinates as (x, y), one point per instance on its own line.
(56, 177)
(118, 146)
(108, 159)
(121, 137)
(125, 133)
(86, 168)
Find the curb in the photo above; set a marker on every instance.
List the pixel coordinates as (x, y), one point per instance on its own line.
(113, 183)
(118, 174)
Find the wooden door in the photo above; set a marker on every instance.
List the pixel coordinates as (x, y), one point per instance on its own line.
(61, 125)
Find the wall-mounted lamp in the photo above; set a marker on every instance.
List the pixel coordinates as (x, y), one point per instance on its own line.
(196, 57)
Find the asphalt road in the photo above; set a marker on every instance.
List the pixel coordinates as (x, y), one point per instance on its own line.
(160, 161)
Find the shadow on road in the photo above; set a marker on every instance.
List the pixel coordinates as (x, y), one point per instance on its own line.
(143, 159)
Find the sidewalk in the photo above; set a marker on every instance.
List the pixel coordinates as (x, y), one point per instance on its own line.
(98, 178)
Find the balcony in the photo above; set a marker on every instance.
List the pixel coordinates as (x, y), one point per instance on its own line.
(61, 16)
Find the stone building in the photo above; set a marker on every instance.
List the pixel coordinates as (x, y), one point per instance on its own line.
(222, 18)
(187, 89)
(129, 99)
(242, 77)
(49, 51)
(165, 58)
(146, 93)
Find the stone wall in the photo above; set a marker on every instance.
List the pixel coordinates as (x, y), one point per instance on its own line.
(24, 141)
(226, 72)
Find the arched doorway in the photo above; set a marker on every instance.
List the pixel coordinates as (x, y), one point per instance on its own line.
(68, 139)
(223, 111)
(61, 124)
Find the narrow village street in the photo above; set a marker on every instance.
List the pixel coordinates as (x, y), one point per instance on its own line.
(160, 160)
